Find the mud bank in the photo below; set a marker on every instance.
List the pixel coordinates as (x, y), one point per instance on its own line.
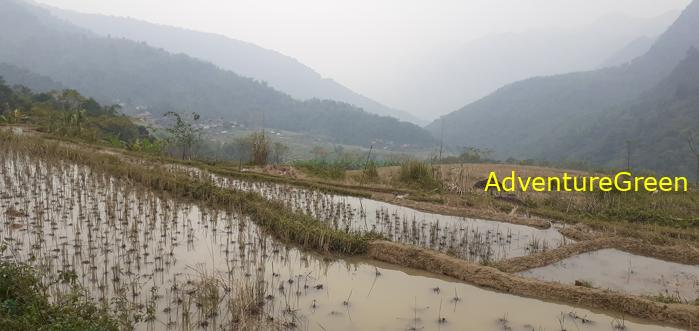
(524, 263)
(683, 254)
(685, 316)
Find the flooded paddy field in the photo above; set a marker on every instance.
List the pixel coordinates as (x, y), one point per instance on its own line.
(169, 264)
(470, 239)
(624, 272)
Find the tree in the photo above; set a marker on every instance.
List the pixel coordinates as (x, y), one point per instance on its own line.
(254, 149)
(14, 117)
(339, 151)
(319, 153)
(475, 155)
(693, 148)
(77, 120)
(628, 155)
(240, 149)
(279, 152)
(183, 132)
(260, 148)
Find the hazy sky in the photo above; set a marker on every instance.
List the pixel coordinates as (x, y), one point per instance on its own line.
(352, 41)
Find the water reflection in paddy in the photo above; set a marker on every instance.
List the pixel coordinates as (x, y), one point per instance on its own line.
(467, 238)
(625, 272)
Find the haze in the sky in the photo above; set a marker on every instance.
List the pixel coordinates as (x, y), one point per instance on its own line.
(361, 42)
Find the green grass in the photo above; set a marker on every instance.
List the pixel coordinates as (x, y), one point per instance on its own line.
(417, 174)
(324, 169)
(24, 305)
(678, 210)
(336, 169)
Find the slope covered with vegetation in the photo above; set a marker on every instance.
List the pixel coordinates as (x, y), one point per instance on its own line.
(24, 77)
(657, 127)
(69, 114)
(280, 71)
(141, 77)
(558, 117)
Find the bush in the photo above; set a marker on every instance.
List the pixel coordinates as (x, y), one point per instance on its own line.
(24, 305)
(370, 172)
(324, 169)
(419, 175)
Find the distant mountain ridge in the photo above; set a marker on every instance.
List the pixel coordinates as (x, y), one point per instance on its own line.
(114, 70)
(630, 52)
(448, 77)
(554, 117)
(279, 71)
(657, 125)
(20, 76)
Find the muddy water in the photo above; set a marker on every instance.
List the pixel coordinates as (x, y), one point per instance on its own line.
(625, 272)
(133, 248)
(474, 240)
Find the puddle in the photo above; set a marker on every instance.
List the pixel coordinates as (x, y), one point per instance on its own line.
(624, 272)
(189, 267)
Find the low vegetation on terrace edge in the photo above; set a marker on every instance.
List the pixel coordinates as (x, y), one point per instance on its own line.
(272, 216)
(419, 174)
(336, 169)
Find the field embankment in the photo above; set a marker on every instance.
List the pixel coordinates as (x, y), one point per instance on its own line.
(492, 278)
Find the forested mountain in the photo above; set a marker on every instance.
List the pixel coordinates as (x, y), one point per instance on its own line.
(537, 117)
(657, 126)
(279, 71)
(139, 76)
(24, 77)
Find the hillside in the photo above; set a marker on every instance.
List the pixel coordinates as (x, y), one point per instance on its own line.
(630, 52)
(66, 113)
(139, 76)
(279, 71)
(448, 77)
(535, 117)
(657, 125)
(26, 78)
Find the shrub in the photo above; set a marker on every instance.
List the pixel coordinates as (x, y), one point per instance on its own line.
(370, 171)
(324, 169)
(24, 305)
(419, 175)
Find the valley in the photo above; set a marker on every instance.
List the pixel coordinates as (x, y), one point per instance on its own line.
(178, 167)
